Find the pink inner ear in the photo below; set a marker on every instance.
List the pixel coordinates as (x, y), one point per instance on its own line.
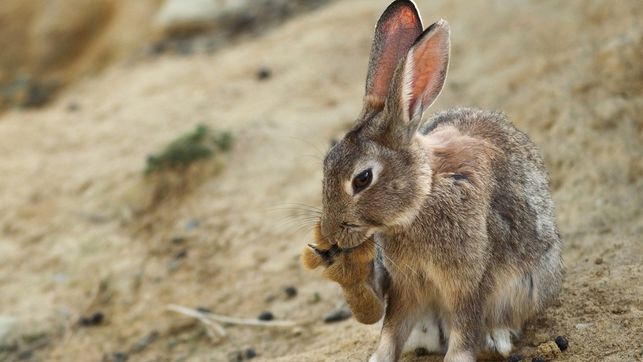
(429, 59)
(396, 31)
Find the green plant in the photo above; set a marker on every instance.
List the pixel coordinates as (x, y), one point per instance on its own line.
(201, 143)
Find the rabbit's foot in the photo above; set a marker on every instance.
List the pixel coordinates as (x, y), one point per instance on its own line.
(347, 267)
(499, 340)
(353, 270)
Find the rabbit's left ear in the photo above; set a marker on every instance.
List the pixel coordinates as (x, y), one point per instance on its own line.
(419, 79)
(396, 30)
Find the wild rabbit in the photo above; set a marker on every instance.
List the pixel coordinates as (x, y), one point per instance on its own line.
(447, 227)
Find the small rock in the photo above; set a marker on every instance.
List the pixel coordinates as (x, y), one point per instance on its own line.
(250, 353)
(538, 359)
(93, 320)
(270, 298)
(290, 291)
(598, 261)
(338, 314)
(562, 342)
(36, 95)
(264, 73)
(515, 358)
(421, 351)
(119, 357)
(582, 325)
(181, 254)
(266, 316)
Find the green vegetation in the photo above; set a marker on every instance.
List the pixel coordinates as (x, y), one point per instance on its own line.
(202, 143)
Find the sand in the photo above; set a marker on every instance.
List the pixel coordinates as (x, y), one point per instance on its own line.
(79, 235)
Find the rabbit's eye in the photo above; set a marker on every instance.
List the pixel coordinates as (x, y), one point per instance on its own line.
(362, 180)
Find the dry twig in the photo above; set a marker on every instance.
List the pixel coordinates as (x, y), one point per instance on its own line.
(213, 321)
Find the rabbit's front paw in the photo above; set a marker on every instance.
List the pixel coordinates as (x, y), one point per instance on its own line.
(353, 270)
(344, 266)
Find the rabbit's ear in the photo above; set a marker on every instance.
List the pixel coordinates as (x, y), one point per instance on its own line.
(421, 77)
(396, 30)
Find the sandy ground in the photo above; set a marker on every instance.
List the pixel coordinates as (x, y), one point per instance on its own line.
(78, 235)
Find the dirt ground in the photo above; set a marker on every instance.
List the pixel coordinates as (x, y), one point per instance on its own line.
(78, 234)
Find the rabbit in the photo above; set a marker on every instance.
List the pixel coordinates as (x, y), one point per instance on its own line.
(446, 226)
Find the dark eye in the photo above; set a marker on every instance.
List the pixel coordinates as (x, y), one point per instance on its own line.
(362, 180)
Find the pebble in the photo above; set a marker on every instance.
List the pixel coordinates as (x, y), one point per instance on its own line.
(36, 95)
(250, 353)
(290, 291)
(93, 320)
(266, 316)
(119, 357)
(421, 351)
(338, 314)
(562, 342)
(264, 73)
(242, 355)
(598, 261)
(515, 358)
(538, 359)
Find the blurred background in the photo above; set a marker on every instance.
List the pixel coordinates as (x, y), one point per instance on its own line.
(159, 152)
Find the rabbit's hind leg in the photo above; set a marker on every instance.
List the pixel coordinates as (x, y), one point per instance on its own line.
(517, 296)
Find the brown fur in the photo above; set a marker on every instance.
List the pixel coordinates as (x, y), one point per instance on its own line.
(459, 210)
(353, 270)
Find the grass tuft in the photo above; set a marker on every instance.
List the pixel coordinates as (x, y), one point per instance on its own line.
(200, 144)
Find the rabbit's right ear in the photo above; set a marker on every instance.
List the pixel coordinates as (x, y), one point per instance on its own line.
(396, 31)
